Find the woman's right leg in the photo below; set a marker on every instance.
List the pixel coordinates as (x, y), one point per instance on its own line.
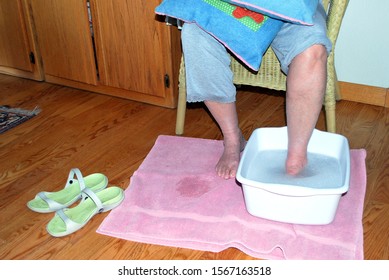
(210, 79)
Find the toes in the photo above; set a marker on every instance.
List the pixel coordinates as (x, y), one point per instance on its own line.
(293, 170)
(295, 165)
(226, 172)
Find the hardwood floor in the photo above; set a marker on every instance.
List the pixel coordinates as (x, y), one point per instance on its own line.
(99, 133)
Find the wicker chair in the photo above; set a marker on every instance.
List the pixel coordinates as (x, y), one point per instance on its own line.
(270, 75)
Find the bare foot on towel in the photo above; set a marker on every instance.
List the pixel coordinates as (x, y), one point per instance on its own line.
(229, 161)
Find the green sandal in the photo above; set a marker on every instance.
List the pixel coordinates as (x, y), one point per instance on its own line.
(46, 202)
(69, 220)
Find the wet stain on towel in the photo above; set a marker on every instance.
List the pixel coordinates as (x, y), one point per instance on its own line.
(193, 187)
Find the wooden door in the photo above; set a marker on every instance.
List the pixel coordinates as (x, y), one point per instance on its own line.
(65, 41)
(133, 49)
(18, 53)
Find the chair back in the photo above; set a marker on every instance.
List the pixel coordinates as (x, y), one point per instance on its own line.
(326, 3)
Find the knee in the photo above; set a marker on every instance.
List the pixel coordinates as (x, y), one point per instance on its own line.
(315, 55)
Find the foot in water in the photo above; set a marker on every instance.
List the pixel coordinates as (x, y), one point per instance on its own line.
(295, 163)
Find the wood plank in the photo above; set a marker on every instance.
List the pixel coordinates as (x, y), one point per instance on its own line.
(364, 94)
(387, 99)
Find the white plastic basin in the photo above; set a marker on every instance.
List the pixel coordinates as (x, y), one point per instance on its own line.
(311, 197)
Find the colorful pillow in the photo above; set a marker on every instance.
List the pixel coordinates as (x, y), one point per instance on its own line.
(245, 33)
(296, 11)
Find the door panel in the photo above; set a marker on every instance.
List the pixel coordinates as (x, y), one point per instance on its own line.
(65, 39)
(16, 41)
(132, 47)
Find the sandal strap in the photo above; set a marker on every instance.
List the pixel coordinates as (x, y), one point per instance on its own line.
(68, 222)
(75, 173)
(92, 195)
(51, 203)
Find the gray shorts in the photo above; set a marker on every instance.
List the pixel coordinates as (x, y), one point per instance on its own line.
(207, 62)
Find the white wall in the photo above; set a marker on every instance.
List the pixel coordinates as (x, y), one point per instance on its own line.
(362, 49)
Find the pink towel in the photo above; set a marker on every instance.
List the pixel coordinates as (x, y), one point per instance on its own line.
(176, 199)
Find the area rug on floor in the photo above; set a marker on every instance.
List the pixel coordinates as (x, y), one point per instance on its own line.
(11, 117)
(176, 199)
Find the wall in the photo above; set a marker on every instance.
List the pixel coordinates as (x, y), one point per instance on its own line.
(362, 49)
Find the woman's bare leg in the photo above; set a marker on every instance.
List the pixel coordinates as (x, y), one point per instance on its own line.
(306, 83)
(226, 116)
